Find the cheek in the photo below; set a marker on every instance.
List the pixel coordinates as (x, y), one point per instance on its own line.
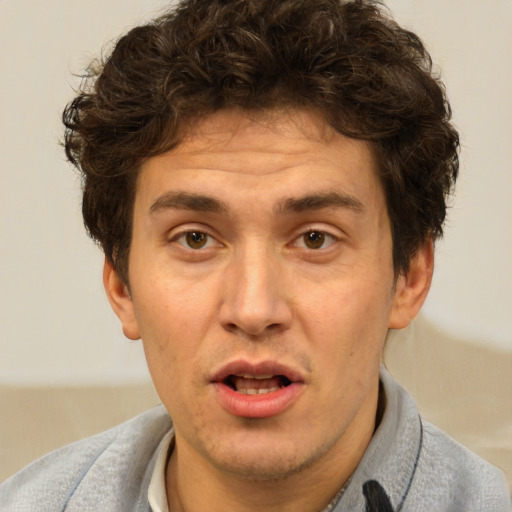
(351, 318)
(172, 324)
(170, 308)
(169, 349)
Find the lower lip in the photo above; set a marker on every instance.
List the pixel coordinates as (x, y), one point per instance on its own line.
(257, 406)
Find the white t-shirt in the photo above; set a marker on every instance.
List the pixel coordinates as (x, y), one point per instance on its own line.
(156, 491)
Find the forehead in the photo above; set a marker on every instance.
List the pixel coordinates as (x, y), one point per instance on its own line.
(226, 129)
(251, 165)
(237, 154)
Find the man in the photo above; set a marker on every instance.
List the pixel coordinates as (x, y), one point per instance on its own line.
(267, 180)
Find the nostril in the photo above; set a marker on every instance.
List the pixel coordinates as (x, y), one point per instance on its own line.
(253, 330)
(230, 327)
(248, 314)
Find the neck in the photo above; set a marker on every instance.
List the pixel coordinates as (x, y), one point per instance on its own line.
(232, 494)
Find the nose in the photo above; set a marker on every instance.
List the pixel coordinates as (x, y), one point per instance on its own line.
(255, 295)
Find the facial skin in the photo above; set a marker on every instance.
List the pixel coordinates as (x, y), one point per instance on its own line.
(264, 242)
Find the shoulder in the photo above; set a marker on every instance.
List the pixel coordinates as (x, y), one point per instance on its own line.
(424, 469)
(103, 469)
(451, 477)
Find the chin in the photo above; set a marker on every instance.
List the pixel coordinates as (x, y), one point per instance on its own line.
(267, 461)
(266, 469)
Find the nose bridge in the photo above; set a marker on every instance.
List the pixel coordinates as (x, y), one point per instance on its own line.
(255, 294)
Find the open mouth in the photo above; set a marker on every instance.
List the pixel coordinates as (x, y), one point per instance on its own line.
(257, 390)
(247, 384)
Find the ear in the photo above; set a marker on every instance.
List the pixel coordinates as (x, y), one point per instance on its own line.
(120, 299)
(412, 288)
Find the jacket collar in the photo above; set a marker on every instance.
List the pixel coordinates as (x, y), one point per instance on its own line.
(385, 474)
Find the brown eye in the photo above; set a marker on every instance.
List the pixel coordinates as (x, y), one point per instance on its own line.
(314, 239)
(196, 239)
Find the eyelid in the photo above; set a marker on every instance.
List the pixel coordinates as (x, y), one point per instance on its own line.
(183, 231)
(207, 245)
(309, 229)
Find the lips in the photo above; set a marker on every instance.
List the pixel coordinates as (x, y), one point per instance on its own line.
(256, 384)
(256, 390)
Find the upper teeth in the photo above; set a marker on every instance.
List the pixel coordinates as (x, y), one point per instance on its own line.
(263, 391)
(258, 377)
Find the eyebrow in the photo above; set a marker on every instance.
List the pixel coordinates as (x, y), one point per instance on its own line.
(204, 203)
(187, 201)
(321, 200)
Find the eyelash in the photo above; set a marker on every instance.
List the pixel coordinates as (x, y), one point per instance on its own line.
(194, 232)
(201, 237)
(325, 238)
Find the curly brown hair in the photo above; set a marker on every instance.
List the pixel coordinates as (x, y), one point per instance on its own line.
(348, 60)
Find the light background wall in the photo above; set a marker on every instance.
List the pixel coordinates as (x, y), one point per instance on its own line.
(56, 325)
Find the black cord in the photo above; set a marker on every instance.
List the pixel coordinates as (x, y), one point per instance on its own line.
(376, 497)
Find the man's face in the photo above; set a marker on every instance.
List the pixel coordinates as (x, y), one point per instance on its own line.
(262, 285)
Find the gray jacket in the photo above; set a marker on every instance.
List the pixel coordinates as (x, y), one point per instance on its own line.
(409, 466)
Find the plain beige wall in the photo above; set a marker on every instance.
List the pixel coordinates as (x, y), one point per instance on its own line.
(56, 323)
